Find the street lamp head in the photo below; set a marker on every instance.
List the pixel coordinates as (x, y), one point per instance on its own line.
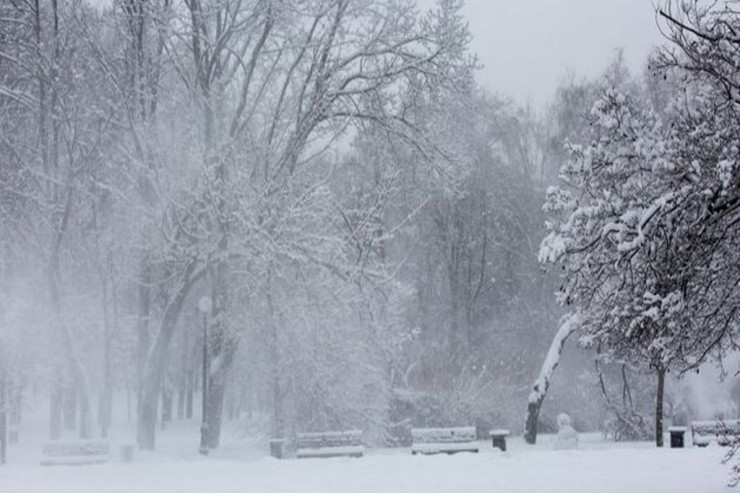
(205, 304)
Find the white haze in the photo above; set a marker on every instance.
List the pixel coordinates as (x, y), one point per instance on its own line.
(457, 315)
(528, 47)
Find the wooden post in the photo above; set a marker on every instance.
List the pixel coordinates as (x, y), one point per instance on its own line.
(189, 395)
(205, 306)
(55, 409)
(166, 404)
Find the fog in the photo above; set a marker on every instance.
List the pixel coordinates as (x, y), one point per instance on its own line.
(528, 48)
(288, 217)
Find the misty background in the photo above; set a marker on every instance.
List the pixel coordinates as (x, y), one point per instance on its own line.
(345, 234)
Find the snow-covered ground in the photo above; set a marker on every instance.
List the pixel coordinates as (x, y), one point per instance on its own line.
(242, 466)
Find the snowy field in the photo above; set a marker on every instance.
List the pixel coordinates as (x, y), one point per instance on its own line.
(241, 466)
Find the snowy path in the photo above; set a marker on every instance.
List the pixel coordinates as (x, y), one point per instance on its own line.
(603, 471)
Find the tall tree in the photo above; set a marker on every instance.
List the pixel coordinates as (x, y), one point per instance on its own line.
(646, 235)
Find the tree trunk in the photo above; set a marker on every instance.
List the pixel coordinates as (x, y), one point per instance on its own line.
(182, 376)
(659, 408)
(105, 406)
(181, 402)
(147, 413)
(232, 405)
(15, 412)
(55, 411)
(203, 449)
(454, 340)
(128, 403)
(153, 372)
(70, 408)
(278, 427)
(530, 424)
(42, 123)
(189, 396)
(79, 393)
(222, 343)
(166, 405)
(3, 412)
(214, 418)
(541, 385)
(105, 411)
(143, 439)
(278, 421)
(86, 423)
(218, 372)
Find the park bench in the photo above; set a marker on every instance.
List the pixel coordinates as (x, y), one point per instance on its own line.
(722, 432)
(443, 440)
(75, 453)
(329, 444)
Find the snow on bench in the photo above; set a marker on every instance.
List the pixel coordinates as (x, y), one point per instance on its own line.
(76, 453)
(722, 432)
(443, 440)
(329, 444)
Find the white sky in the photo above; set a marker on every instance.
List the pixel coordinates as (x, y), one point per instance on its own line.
(528, 46)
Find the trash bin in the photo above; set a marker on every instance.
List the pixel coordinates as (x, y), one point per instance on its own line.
(277, 448)
(126, 453)
(677, 434)
(498, 439)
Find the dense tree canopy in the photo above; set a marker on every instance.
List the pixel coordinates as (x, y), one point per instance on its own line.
(645, 225)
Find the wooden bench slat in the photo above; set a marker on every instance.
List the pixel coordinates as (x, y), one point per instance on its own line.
(75, 453)
(444, 448)
(452, 435)
(329, 444)
(723, 432)
(74, 460)
(59, 449)
(444, 440)
(326, 452)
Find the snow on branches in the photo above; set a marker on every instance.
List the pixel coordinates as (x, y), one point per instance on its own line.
(635, 227)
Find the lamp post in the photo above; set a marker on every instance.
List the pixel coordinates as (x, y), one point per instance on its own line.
(204, 306)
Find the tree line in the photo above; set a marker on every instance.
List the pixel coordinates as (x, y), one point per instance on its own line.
(316, 203)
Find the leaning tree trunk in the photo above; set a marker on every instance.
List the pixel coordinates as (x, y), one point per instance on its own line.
(539, 389)
(154, 368)
(79, 377)
(659, 408)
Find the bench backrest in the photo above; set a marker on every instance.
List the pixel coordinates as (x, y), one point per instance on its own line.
(76, 448)
(459, 434)
(722, 430)
(326, 439)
